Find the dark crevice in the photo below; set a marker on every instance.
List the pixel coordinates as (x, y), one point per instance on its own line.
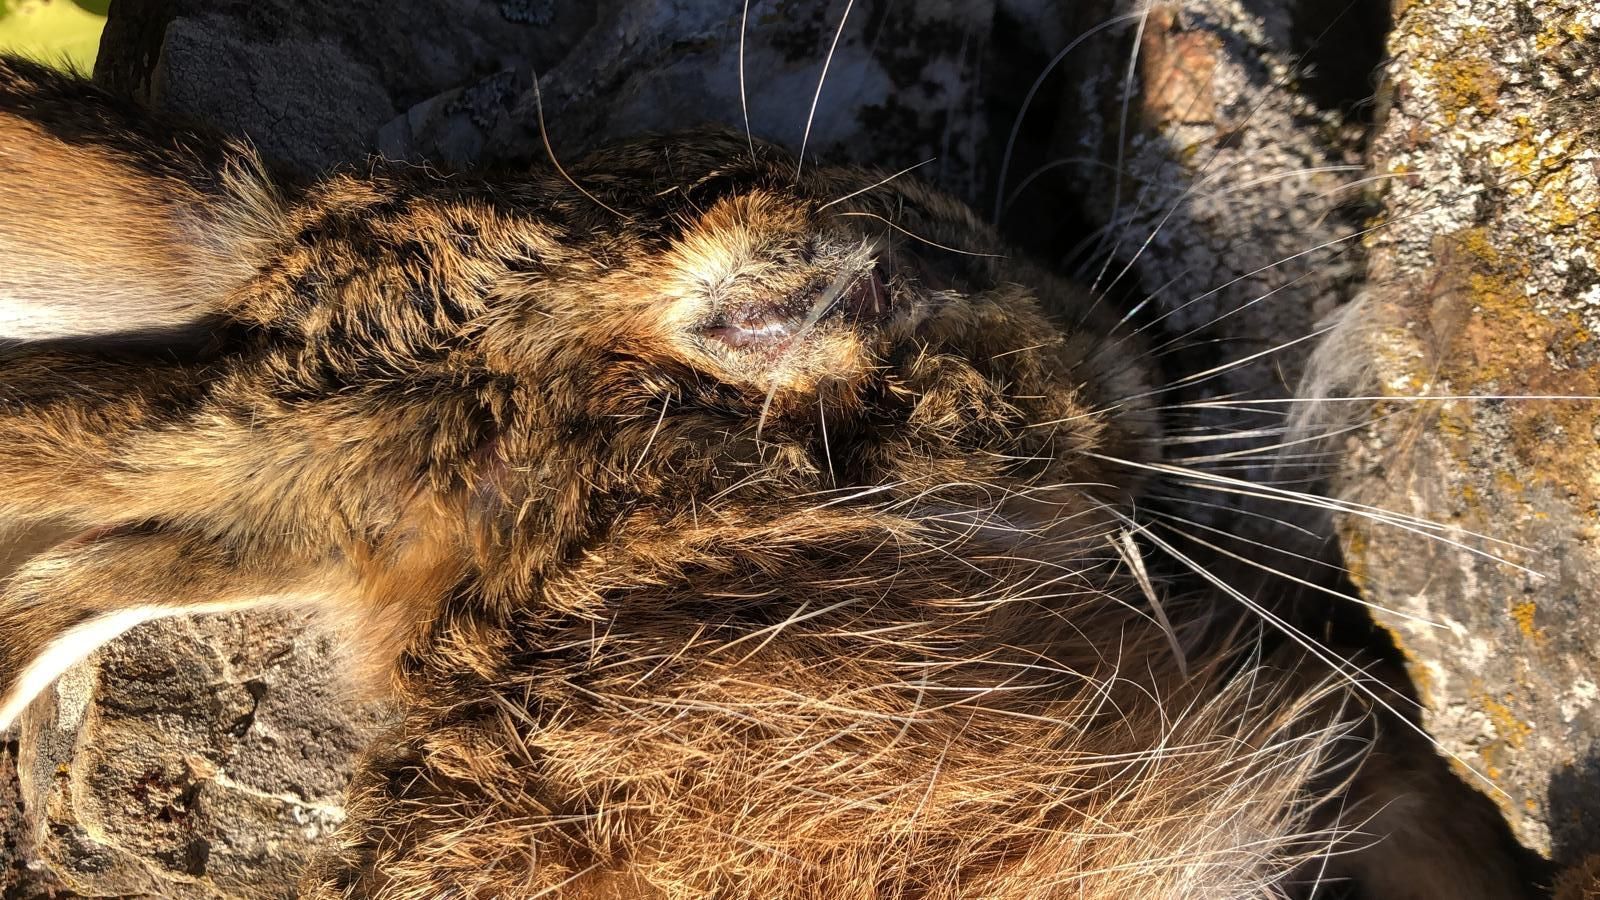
(1341, 45)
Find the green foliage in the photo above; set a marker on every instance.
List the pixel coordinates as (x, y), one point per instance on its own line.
(63, 33)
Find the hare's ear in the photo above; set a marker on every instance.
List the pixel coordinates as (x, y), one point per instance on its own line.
(112, 222)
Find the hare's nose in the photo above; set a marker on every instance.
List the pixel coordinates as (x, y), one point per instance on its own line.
(858, 298)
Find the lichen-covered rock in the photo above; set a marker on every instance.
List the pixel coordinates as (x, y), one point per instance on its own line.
(1191, 135)
(1484, 281)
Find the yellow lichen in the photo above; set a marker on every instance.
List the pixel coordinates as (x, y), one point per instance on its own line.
(1524, 614)
(1355, 548)
(1519, 156)
(1513, 732)
(1464, 82)
(1490, 334)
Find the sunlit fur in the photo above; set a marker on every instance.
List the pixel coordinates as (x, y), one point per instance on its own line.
(847, 617)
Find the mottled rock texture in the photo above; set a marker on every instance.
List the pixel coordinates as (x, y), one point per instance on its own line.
(1484, 280)
(195, 758)
(1221, 171)
(1221, 177)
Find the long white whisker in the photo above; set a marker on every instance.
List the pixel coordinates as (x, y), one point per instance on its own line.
(919, 238)
(1229, 366)
(1251, 488)
(827, 450)
(650, 441)
(744, 103)
(1301, 581)
(877, 184)
(1122, 121)
(1355, 235)
(1249, 513)
(1376, 398)
(550, 151)
(1385, 517)
(824, 302)
(1033, 90)
(821, 80)
(1311, 646)
(1129, 550)
(1200, 175)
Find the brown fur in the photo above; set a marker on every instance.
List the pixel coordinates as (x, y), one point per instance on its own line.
(1581, 881)
(670, 617)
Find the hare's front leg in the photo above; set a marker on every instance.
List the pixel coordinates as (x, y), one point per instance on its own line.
(64, 603)
(66, 422)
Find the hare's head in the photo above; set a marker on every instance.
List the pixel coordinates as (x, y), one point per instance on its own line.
(675, 326)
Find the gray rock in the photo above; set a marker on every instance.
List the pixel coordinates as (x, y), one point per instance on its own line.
(903, 86)
(1484, 281)
(1225, 191)
(311, 83)
(194, 758)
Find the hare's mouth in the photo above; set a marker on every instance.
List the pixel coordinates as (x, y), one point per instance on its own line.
(862, 300)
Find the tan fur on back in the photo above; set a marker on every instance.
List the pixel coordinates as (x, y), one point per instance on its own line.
(93, 248)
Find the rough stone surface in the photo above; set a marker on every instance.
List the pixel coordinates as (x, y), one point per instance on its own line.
(1230, 186)
(21, 875)
(317, 84)
(1222, 183)
(311, 83)
(195, 758)
(1484, 281)
(903, 86)
(198, 758)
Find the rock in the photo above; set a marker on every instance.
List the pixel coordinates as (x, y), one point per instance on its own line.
(13, 849)
(1484, 281)
(311, 83)
(1226, 196)
(194, 758)
(903, 87)
(317, 84)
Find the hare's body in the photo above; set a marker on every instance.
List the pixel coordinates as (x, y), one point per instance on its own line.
(723, 534)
